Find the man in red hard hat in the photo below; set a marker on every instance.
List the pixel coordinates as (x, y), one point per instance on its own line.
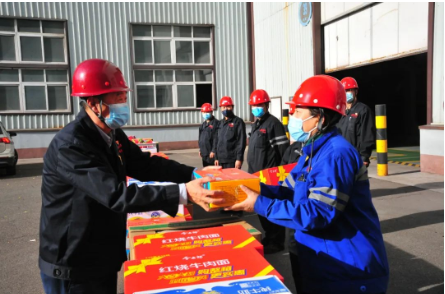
(357, 126)
(207, 135)
(326, 199)
(267, 144)
(85, 199)
(231, 139)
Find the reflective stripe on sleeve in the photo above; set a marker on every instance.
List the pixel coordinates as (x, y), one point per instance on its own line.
(329, 201)
(331, 191)
(278, 138)
(289, 182)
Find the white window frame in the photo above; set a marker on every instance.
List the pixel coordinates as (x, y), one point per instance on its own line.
(174, 66)
(21, 89)
(20, 65)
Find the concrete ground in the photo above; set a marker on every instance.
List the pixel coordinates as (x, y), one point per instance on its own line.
(410, 205)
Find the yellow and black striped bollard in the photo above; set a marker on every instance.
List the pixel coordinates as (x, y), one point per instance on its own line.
(382, 140)
(285, 114)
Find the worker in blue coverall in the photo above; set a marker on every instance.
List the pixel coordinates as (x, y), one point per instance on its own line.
(327, 200)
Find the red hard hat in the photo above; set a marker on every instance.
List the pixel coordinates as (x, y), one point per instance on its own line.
(226, 101)
(206, 107)
(259, 97)
(97, 76)
(321, 91)
(349, 83)
(291, 107)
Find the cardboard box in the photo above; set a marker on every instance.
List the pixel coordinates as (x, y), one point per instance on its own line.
(254, 285)
(275, 175)
(254, 232)
(180, 226)
(195, 241)
(229, 181)
(137, 219)
(168, 271)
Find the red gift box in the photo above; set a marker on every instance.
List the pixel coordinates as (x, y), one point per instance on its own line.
(195, 241)
(168, 271)
(274, 175)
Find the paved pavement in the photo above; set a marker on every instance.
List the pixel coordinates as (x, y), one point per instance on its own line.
(410, 205)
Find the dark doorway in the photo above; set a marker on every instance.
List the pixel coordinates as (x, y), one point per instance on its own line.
(401, 85)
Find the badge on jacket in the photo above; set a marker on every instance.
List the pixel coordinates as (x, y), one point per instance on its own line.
(263, 131)
(354, 115)
(210, 126)
(231, 125)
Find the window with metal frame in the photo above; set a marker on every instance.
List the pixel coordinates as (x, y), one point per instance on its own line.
(173, 66)
(34, 66)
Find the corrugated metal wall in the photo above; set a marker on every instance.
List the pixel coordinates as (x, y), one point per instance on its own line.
(101, 30)
(283, 49)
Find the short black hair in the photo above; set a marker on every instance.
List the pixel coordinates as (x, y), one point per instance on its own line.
(331, 117)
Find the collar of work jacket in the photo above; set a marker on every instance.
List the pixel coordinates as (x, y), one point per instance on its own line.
(319, 142)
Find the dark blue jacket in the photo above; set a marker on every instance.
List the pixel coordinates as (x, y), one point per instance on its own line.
(339, 240)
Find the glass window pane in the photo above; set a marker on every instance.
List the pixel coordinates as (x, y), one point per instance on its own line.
(32, 75)
(141, 31)
(162, 52)
(184, 32)
(54, 50)
(162, 31)
(164, 96)
(7, 48)
(164, 76)
(204, 93)
(202, 52)
(145, 96)
(142, 52)
(56, 75)
(143, 75)
(9, 98)
(31, 48)
(201, 32)
(184, 52)
(9, 75)
(204, 75)
(57, 98)
(30, 26)
(7, 24)
(35, 98)
(184, 76)
(185, 96)
(53, 27)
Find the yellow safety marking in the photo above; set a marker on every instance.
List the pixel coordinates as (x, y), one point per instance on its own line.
(245, 243)
(265, 271)
(382, 169)
(285, 120)
(380, 122)
(382, 146)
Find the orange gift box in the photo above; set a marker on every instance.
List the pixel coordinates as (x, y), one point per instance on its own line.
(229, 181)
(168, 271)
(195, 241)
(274, 175)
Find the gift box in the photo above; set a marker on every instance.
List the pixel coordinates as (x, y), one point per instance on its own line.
(137, 219)
(168, 271)
(254, 285)
(195, 241)
(275, 175)
(229, 181)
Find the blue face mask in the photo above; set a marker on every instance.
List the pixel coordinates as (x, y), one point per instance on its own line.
(295, 127)
(206, 115)
(119, 115)
(227, 113)
(349, 97)
(258, 111)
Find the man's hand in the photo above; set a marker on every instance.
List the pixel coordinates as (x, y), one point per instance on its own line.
(212, 155)
(238, 164)
(212, 168)
(248, 204)
(366, 163)
(200, 154)
(216, 162)
(203, 197)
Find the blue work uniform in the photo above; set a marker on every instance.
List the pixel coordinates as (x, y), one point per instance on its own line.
(339, 240)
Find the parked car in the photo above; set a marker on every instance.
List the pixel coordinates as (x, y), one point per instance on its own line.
(8, 154)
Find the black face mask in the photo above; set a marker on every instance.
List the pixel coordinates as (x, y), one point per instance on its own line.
(227, 113)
